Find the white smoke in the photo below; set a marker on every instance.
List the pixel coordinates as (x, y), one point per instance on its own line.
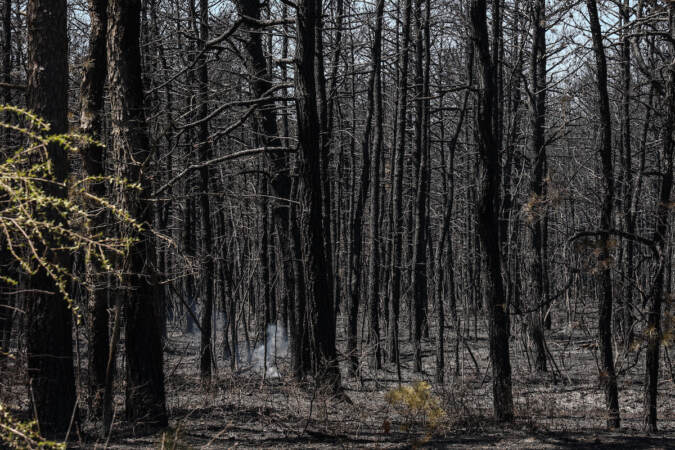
(277, 347)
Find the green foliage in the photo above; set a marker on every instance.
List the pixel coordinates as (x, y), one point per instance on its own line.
(36, 224)
(416, 405)
(22, 435)
(42, 217)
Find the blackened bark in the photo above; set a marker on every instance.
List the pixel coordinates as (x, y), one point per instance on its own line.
(48, 319)
(226, 291)
(189, 234)
(374, 267)
(93, 156)
(537, 185)
(145, 395)
(625, 309)
(608, 374)
(445, 231)
(204, 150)
(488, 218)
(7, 54)
(190, 223)
(426, 147)
(397, 191)
(6, 300)
(271, 296)
(6, 309)
(367, 174)
(422, 182)
(325, 127)
(320, 308)
(299, 336)
(328, 92)
(660, 238)
(164, 209)
(497, 55)
(264, 274)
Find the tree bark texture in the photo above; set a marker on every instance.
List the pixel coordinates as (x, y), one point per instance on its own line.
(145, 395)
(488, 218)
(320, 311)
(49, 319)
(608, 374)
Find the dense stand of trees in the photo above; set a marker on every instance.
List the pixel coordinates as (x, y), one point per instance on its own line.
(362, 179)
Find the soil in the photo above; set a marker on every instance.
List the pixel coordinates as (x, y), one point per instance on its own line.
(563, 408)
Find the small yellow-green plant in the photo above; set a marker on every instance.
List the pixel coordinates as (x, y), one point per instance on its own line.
(22, 435)
(42, 217)
(36, 224)
(416, 405)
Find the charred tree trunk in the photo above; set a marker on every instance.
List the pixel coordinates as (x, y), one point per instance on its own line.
(6, 300)
(488, 218)
(537, 204)
(7, 51)
(445, 235)
(320, 309)
(145, 395)
(422, 169)
(48, 317)
(625, 311)
(660, 239)
(397, 190)
(93, 157)
(374, 264)
(607, 375)
(299, 337)
(325, 134)
(204, 150)
(328, 92)
(369, 171)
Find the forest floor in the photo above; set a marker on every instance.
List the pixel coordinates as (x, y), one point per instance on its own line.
(565, 410)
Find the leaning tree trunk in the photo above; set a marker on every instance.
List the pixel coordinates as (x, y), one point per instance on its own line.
(488, 218)
(145, 395)
(608, 375)
(48, 317)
